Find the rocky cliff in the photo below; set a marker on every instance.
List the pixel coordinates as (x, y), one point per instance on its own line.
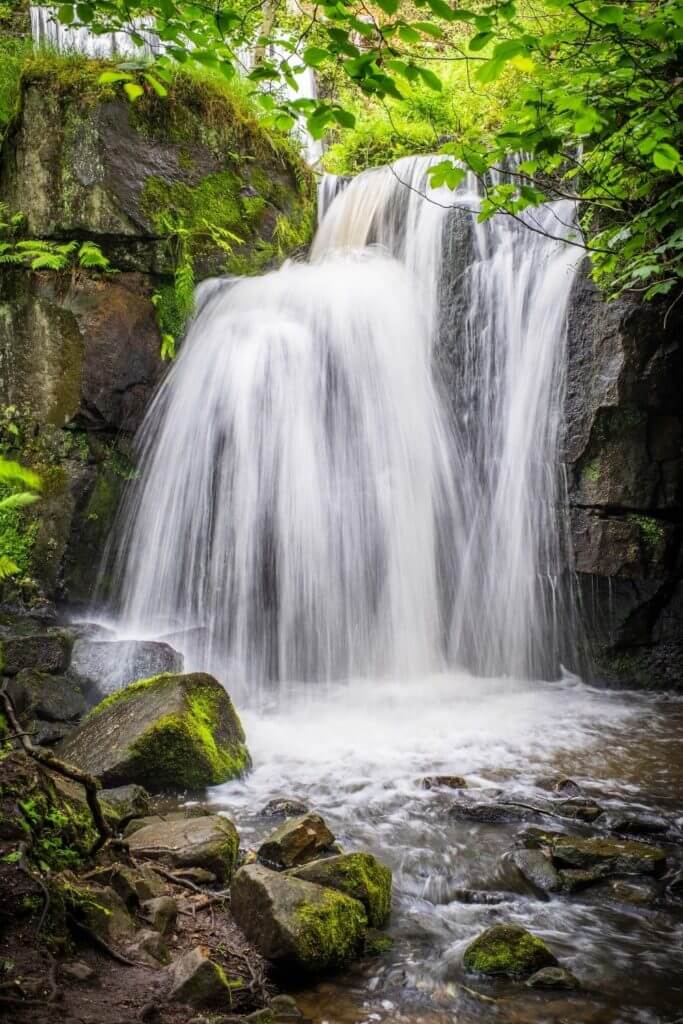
(624, 461)
(188, 184)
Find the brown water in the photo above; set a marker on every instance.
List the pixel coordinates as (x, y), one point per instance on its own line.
(357, 754)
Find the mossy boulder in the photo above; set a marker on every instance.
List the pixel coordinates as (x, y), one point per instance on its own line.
(167, 732)
(210, 842)
(507, 949)
(359, 875)
(295, 842)
(297, 924)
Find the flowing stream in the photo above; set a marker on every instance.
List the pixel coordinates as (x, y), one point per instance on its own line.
(350, 509)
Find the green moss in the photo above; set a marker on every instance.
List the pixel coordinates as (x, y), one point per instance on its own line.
(358, 875)
(377, 943)
(591, 471)
(130, 691)
(18, 532)
(507, 950)
(330, 930)
(651, 532)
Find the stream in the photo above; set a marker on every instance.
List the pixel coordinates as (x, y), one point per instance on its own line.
(359, 757)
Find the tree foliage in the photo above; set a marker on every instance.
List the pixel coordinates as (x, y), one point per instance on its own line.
(595, 116)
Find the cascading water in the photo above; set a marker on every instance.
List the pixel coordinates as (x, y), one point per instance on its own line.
(305, 509)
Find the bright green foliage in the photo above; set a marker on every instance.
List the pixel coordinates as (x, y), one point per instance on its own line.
(38, 254)
(18, 487)
(596, 114)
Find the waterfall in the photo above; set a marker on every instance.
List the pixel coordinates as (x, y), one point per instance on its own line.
(352, 467)
(48, 31)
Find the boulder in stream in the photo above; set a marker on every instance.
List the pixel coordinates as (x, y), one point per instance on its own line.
(296, 842)
(297, 923)
(359, 875)
(168, 732)
(507, 949)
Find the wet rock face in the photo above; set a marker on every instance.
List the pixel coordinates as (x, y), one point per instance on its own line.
(80, 352)
(622, 450)
(108, 666)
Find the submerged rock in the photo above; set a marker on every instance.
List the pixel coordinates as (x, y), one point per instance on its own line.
(209, 842)
(198, 981)
(555, 978)
(359, 875)
(108, 666)
(620, 856)
(297, 923)
(635, 823)
(295, 842)
(580, 809)
(284, 807)
(537, 869)
(444, 782)
(507, 949)
(171, 731)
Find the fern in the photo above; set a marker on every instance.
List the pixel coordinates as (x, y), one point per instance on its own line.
(12, 473)
(7, 567)
(90, 255)
(49, 261)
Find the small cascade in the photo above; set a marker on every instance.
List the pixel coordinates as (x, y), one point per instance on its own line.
(352, 468)
(47, 31)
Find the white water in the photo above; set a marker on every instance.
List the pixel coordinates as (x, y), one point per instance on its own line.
(305, 506)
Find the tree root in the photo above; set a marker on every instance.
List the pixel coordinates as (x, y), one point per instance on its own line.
(69, 771)
(106, 948)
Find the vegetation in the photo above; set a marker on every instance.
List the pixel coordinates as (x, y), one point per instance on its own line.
(19, 488)
(592, 111)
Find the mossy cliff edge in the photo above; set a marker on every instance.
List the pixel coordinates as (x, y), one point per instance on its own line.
(192, 178)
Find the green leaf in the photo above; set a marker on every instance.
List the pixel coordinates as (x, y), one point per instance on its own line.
(133, 91)
(610, 14)
(479, 41)
(408, 34)
(431, 80)
(314, 56)
(666, 157)
(114, 76)
(388, 6)
(66, 14)
(489, 71)
(159, 89)
(85, 13)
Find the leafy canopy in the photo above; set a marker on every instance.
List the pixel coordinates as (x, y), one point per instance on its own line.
(595, 113)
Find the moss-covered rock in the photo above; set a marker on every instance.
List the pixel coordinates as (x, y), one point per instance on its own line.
(507, 949)
(80, 159)
(167, 732)
(210, 842)
(359, 875)
(297, 923)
